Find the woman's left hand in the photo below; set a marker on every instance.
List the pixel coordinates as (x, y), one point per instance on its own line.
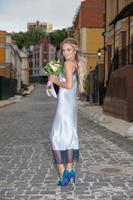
(53, 79)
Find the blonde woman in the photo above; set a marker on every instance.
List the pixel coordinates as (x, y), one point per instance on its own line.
(63, 136)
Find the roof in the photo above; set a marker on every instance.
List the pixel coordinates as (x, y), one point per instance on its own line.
(125, 12)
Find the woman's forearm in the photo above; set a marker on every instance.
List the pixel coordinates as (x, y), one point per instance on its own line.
(64, 84)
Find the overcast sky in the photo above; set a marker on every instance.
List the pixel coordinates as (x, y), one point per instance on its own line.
(14, 14)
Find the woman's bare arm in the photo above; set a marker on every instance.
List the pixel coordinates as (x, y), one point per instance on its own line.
(68, 69)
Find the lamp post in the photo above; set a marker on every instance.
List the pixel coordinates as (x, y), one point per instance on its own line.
(99, 53)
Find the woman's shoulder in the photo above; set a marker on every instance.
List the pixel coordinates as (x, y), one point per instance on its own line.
(71, 63)
(68, 65)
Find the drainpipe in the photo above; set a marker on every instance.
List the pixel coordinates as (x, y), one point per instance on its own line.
(114, 30)
(129, 40)
(117, 7)
(105, 41)
(114, 46)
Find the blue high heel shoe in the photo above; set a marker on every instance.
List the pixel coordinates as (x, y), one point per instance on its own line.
(72, 175)
(65, 179)
(69, 175)
(62, 182)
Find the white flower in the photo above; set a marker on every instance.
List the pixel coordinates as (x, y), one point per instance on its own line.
(53, 67)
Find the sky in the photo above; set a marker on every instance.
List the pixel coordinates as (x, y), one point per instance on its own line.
(14, 14)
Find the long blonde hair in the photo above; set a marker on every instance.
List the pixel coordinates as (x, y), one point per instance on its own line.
(71, 41)
(81, 61)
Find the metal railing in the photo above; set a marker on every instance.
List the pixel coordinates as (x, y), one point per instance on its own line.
(124, 57)
(121, 58)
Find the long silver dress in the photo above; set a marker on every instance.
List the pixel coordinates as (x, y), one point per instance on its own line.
(63, 136)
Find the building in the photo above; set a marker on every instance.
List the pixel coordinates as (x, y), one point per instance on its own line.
(29, 54)
(42, 53)
(10, 66)
(16, 63)
(24, 68)
(49, 28)
(119, 59)
(5, 54)
(88, 26)
(43, 26)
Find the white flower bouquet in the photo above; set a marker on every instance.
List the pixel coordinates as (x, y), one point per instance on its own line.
(52, 68)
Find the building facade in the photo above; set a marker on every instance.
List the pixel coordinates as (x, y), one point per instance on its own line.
(119, 59)
(88, 26)
(24, 68)
(10, 66)
(43, 26)
(42, 53)
(5, 54)
(16, 63)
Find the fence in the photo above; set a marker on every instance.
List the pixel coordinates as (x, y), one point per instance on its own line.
(8, 87)
(96, 83)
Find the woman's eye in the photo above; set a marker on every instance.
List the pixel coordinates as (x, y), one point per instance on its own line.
(66, 50)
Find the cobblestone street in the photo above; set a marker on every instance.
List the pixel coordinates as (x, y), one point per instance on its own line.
(27, 172)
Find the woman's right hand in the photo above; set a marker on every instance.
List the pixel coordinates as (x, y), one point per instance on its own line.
(53, 79)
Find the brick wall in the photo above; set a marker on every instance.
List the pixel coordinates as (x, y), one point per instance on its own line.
(119, 101)
(92, 13)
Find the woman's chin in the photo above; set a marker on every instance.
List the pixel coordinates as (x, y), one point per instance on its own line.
(67, 59)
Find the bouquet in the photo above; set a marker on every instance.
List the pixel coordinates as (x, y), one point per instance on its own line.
(52, 68)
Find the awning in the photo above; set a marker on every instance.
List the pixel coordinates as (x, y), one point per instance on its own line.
(125, 12)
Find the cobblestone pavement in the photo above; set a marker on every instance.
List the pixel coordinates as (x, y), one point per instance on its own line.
(27, 172)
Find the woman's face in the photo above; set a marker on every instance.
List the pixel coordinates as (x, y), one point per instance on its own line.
(68, 51)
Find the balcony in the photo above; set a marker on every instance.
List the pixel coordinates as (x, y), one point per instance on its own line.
(123, 57)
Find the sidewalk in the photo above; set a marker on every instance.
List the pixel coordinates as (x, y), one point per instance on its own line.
(16, 98)
(96, 114)
(10, 101)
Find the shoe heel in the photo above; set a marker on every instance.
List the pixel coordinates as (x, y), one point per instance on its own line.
(65, 179)
(72, 175)
(74, 179)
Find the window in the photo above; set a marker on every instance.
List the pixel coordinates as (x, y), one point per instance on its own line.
(131, 50)
(124, 50)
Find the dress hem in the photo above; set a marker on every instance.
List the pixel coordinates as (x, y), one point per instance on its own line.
(66, 156)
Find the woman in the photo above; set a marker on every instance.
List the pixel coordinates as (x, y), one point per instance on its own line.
(63, 135)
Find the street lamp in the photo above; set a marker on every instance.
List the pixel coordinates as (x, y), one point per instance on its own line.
(99, 53)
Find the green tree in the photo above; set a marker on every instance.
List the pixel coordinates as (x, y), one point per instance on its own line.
(20, 39)
(57, 36)
(26, 39)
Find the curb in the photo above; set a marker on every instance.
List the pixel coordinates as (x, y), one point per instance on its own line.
(7, 104)
(116, 125)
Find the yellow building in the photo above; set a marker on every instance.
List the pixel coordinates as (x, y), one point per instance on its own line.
(10, 66)
(91, 40)
(88, 28)
(50, 28)
(4, 52)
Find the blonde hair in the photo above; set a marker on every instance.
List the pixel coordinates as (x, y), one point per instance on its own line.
(71, 41)
(81, 61)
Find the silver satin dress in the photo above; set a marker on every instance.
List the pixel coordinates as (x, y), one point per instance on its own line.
(63, 136)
